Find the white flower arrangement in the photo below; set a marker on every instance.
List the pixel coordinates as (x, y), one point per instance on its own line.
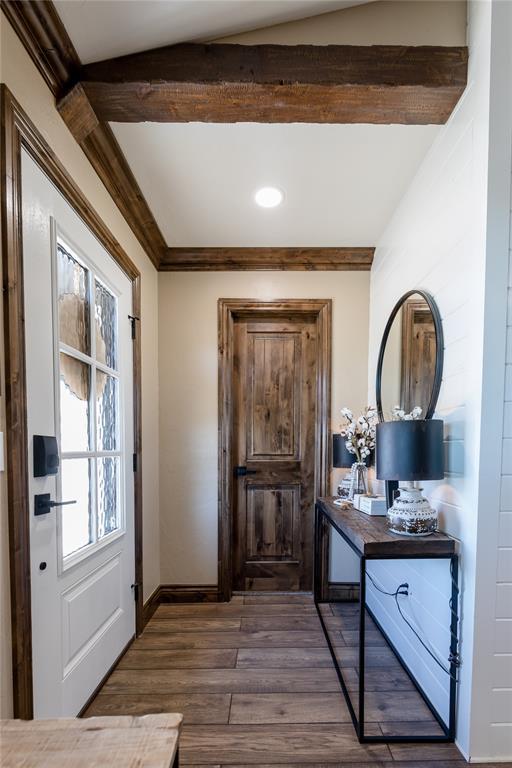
(398, 414)
(359, 433)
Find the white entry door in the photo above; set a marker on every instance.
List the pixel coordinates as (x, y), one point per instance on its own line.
(79, 389)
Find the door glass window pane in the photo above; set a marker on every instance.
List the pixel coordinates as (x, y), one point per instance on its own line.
(76, 518)
(106, 412)
(74, 310)
(90, 420)
(75, 382)
(108, 496)
(106, 325)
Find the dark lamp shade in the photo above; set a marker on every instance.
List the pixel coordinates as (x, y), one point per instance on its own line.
(410, 450)
(340, 456)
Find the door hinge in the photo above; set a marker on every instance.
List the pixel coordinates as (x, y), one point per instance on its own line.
(135, 587)
(133, 319)
(135, 462)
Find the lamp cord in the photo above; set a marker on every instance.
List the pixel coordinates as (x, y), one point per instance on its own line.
(403, 589)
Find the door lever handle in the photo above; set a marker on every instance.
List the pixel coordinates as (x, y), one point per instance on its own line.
(242, 471)
(43, 504)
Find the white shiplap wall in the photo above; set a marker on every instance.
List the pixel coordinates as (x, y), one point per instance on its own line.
(491, 694)
(439, 240)
(500, 732)
(427, 607)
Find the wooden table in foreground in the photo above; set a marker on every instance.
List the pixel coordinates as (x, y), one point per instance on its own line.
(369, 538)
(96, 742)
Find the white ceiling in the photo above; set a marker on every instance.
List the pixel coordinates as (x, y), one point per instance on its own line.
(341, 182)
(101, 29)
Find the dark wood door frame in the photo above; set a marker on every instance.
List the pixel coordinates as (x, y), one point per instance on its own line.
(228, 311)
(17, 133)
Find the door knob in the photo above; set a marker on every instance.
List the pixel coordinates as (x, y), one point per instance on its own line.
(242, 471)
(43, 504)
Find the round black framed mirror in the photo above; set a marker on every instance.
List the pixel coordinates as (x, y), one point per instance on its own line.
(410, 364)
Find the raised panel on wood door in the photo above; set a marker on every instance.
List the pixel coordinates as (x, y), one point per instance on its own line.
(273, 522)
(273, 417)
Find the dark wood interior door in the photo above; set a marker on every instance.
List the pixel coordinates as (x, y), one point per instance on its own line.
(274, 391)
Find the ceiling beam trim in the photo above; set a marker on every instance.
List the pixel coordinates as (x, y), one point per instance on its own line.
(279, 83)
(252, 259)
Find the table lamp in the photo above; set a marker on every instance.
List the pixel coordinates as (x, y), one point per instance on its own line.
(407, 452)
(342, 458)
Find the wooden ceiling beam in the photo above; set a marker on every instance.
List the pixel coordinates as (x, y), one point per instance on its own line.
(279, 84)
(240, 259)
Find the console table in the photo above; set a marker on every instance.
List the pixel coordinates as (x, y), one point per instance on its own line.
(369, 538)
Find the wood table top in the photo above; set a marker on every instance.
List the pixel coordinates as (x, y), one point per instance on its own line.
(369, 534)
(150, 741)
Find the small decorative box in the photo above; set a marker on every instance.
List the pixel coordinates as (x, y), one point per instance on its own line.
(357, 498)
(372, 505)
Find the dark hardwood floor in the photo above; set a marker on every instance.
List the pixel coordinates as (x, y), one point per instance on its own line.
(256, 684)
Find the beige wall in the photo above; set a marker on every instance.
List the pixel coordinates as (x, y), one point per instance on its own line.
(188, 394)
(21, 76)
(385, 22)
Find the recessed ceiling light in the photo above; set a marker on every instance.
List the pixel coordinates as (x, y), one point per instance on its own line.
(268, 197)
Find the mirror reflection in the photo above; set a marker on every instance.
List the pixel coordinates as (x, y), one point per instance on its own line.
(409, 364)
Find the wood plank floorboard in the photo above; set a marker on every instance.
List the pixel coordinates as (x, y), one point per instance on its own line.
(280, 623)
(344, 609)
(196, 658)
(271, 708)
(227, 610)
(352, 638)
(381, 679)
(348, 623)
(196, 708)
(316, 658)
(255, 744)
(193, 625)
(405, 728)
(426, 752)
(279, 599)
(365, 764)
(374, 657)
(381, 707)
(222, 680)
(186, 640)
(255, 682)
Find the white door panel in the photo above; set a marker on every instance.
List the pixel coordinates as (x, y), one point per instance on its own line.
(88, 609)
(79, 385)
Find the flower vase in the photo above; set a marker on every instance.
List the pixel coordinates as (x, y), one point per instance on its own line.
(358, 479)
